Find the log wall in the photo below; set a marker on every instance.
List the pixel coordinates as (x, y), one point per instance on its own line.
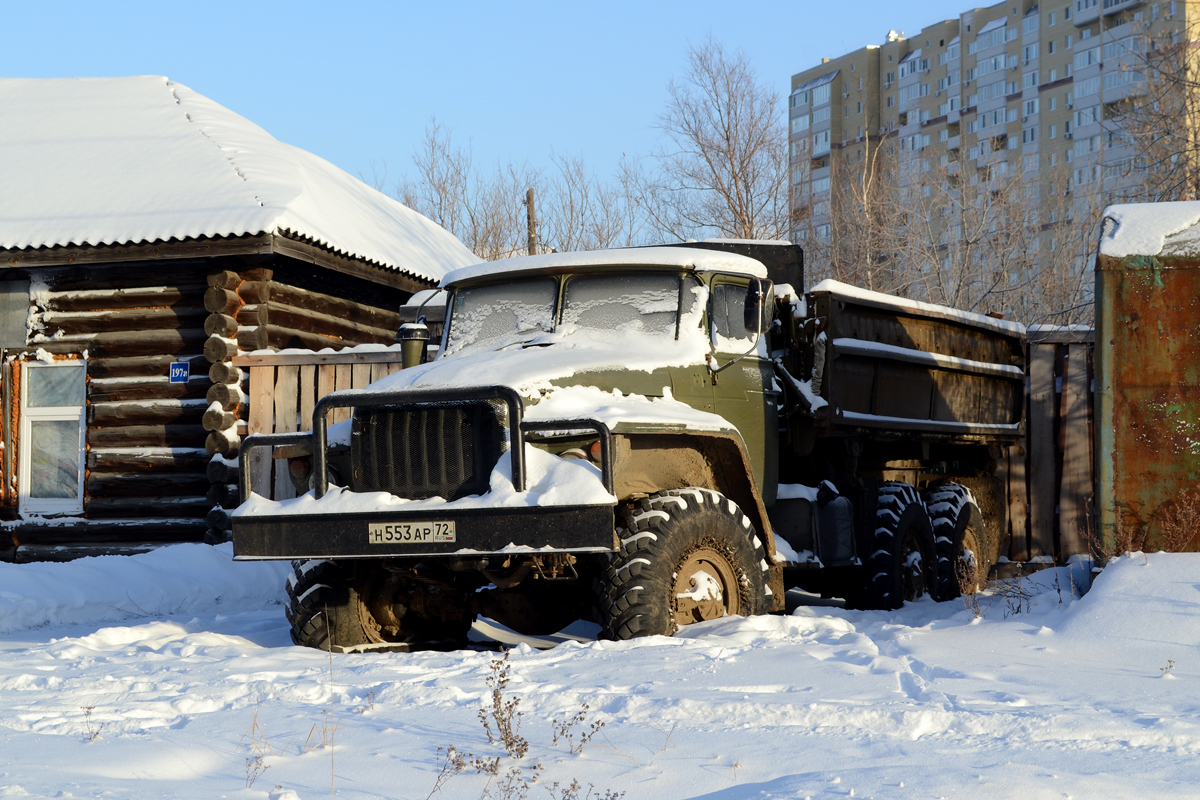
(161, 456)
(144, 466)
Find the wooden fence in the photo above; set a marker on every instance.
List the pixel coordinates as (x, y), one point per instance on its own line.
(1051, 472)
(284, 389)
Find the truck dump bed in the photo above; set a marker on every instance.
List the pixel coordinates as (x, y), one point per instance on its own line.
(904, 367)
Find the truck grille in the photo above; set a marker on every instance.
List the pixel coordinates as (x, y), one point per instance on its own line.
(428, 450)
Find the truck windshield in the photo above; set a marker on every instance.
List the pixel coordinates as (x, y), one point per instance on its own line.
(500, 314)
(645, 303)
(487, 317)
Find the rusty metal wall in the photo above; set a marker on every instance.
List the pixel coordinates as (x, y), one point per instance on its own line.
(1147, 394)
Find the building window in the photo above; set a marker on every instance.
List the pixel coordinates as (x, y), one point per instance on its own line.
(1050, 47)
(1053, 131)
(52, 431)
(800, 123)
(820, 95)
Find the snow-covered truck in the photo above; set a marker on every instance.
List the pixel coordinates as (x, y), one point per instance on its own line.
(649, 437)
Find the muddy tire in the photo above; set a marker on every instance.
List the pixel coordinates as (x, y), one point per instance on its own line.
(901, 564)
(336, 607)
(323, 608)
(964, 553)
(686, 555)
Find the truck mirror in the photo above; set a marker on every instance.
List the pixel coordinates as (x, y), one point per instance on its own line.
(756, 306)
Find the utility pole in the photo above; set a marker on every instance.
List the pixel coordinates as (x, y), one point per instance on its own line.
(531, 218)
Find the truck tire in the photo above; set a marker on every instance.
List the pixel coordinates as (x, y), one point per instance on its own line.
(331, 606)
(965, 554)
(323, 608)
(686, 555)
(902, 564)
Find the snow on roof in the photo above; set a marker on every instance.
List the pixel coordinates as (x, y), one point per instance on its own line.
(917, 307)
(91, 161)
(682, 257)
(1142, 229)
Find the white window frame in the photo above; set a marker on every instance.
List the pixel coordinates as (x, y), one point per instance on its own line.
(48, 505)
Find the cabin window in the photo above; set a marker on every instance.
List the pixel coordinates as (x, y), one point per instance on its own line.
(52, 426)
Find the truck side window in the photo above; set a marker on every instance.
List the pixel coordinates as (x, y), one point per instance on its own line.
(729, 317)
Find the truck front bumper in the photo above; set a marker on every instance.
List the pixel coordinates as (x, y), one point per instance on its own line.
(478, 531)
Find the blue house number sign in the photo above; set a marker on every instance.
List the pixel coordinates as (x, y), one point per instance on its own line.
(180, 371)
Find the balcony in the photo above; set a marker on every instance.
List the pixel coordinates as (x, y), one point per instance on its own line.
(1117, 6)
(1086, 12)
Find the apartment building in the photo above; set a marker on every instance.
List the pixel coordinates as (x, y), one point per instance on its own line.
(1021, 88)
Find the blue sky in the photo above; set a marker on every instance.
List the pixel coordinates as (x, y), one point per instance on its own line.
(356, 83)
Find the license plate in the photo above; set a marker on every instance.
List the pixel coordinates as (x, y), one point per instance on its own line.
(409, 532)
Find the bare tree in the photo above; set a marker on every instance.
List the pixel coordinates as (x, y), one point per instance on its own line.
(583, 213)
(723, 166)
(486, 209)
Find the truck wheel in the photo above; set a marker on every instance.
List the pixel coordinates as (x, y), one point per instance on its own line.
(333, 607)
(961, 538)
(323, 606)
(902, 563)
(686, 555)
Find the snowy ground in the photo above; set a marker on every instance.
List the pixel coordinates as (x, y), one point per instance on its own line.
(169, 674)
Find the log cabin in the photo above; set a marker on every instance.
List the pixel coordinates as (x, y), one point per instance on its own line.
(148, 236)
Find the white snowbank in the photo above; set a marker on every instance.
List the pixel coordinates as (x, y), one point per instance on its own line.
(87, 161)
(682, 257)
(1043, 696)
(1141, 229)
(175, 579)
(918, 307)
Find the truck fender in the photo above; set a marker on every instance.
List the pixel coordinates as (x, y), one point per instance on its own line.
(646, 463)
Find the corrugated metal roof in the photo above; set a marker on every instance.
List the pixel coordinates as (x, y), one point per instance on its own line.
(815, 82)
(94, 161)
(991, 26)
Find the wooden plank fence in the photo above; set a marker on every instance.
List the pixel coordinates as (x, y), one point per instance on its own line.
(284, 389)
(1051, 473)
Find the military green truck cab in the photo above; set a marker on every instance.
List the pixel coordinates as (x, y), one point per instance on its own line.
(650, 437)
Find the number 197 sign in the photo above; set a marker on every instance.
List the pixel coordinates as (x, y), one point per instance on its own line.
(180, 372)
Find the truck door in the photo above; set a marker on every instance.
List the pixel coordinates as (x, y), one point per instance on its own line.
(745, 393)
